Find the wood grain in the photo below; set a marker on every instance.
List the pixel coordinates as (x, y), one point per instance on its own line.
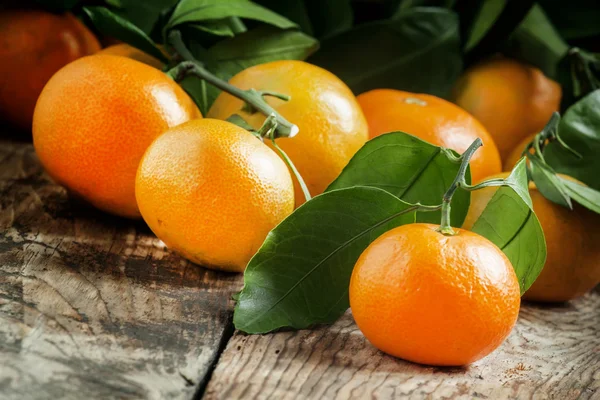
(553, 353)
(93, 306)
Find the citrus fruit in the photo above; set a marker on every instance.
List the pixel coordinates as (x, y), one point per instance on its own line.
(33, 46)
(332, 126)
(515, 155)
(434, 299)
(573, 258)
(125, 50)
(509, 98)
(432, 119)
(212, 191)
(94, 120)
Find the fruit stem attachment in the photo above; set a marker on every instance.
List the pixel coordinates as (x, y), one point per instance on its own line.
(252, 97)
(445, 227)
(267, 130)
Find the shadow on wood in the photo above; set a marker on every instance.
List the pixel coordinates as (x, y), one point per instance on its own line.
(93, 306)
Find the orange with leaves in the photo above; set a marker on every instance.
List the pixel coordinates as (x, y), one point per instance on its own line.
(212, 191)
(432, 119)
(94, 120)
(33, 46)
(332, 126)
(434, 299)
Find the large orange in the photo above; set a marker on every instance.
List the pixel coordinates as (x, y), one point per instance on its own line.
(212, 191)
(509, 98)
(573, 256)
(33, 46)
(332, 126)
(94, 120)
(125, 50)
(432, 119)
(434, 299)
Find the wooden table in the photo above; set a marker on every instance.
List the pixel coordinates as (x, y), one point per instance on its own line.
(95, 307)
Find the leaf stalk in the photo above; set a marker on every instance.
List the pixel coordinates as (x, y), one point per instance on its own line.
(445, 227)
(191, 66)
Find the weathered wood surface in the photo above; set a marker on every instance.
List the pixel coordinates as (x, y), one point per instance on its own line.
(93, 306)
(553, 353)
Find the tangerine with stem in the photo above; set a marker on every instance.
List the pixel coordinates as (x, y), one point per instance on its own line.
(435, 295)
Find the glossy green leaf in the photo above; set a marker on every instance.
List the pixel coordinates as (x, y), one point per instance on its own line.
(580, 129)
(509, 222)
(258, 46)
(549, 184)
(110, 24)
(193, 11)
(217, 28)
(410, 169)
(300, 275)
(583, 195)
(537, 42)
(419, 51)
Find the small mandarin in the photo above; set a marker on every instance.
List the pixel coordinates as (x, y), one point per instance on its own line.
(212, 191)
(94, 120)
(433, 299)
(509, 98)
(332, 126)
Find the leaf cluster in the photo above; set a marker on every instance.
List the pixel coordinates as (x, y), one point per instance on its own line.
(300, 275)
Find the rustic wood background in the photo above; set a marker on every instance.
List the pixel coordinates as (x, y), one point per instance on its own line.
(95, 307)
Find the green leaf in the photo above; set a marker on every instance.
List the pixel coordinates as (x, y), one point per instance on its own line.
(537, 42)
(500, 29)
(489, 11)
(241, 122)
(574, 19)
(110, 24)
(257, 46)
(143, 14)
(410, 169)
(580, 129)
(548, 183)
(262, 45)
(294, 10)
(584, 195)
(319, 18)
(206, 10)
(509, 222)
(218, 27)
(300, 275)
(419, 51)
(579, 75)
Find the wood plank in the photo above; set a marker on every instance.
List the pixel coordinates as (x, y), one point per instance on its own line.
(93, 306)
(553, 353)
